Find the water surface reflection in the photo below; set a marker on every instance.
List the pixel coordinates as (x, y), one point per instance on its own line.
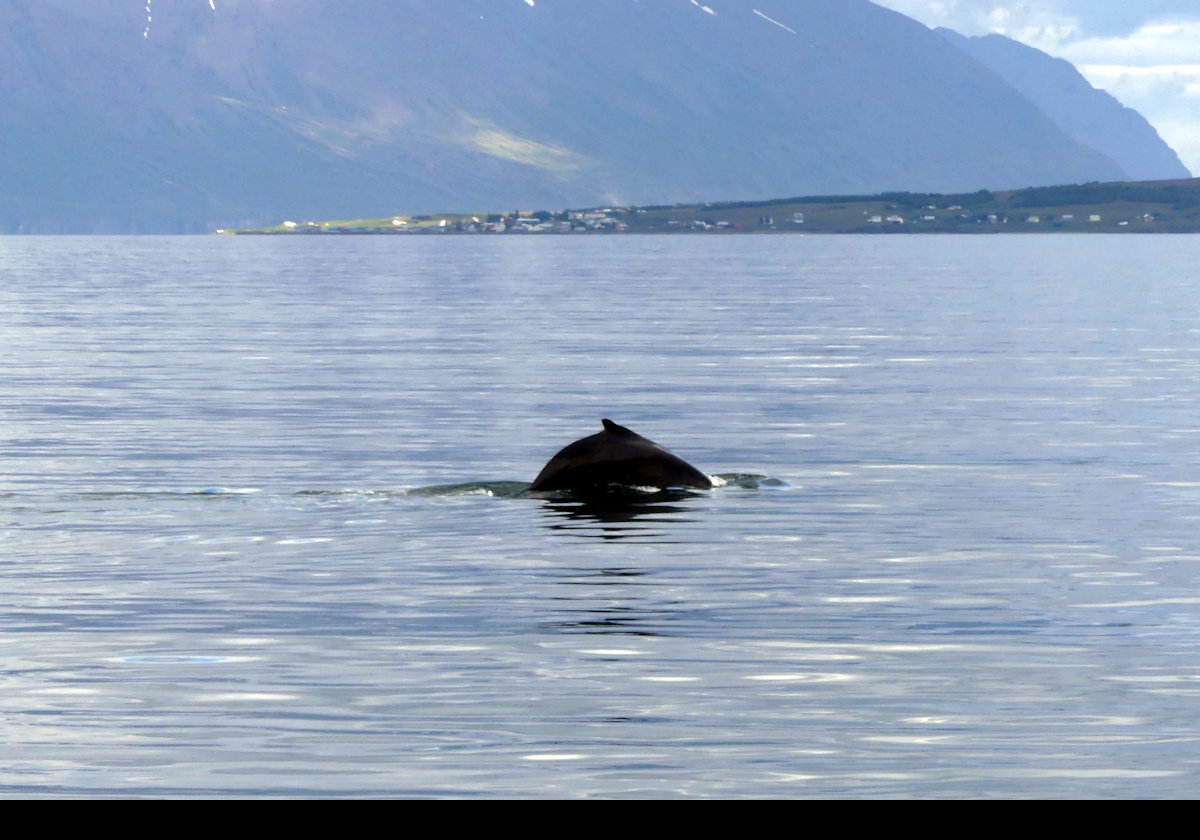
(620, 515)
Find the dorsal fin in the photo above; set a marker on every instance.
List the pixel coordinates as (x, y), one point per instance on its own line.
(616, 457)
(610, 426)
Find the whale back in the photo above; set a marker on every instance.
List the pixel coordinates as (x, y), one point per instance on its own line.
(617, 456)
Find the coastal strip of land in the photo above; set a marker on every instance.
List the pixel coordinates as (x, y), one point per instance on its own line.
(1126, 207)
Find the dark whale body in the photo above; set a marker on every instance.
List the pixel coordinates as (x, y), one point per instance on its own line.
(617, 457)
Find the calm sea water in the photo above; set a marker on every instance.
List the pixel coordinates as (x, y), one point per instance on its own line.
(262, 529)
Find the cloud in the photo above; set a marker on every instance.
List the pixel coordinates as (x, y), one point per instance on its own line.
(1088, 18)
(1156, 43)
(979, 17)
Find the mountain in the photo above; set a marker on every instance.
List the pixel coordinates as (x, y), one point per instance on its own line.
(229, 113)
(1090, 116)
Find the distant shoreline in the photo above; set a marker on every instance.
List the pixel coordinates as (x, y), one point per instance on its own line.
(1126, 207)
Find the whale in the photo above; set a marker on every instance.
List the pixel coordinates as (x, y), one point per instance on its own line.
(616, 457)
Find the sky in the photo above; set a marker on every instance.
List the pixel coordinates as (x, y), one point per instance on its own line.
(1146, 53)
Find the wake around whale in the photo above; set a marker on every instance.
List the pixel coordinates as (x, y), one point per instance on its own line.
(616, 457)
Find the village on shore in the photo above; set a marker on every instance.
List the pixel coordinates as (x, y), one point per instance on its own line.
(1144, 207)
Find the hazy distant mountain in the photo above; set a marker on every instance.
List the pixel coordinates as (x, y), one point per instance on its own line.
(260, 110)
(1086, 114)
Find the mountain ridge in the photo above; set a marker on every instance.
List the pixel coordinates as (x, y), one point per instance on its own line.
(1089, 115)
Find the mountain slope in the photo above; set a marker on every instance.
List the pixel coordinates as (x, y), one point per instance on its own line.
(1090, 116)
(265, 109)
